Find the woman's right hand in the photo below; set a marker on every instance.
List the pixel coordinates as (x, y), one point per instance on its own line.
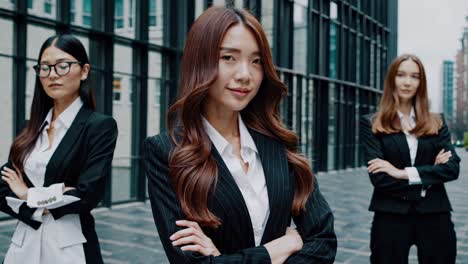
(281, 248)
(192, 238)
(295, 238)
(443, 157)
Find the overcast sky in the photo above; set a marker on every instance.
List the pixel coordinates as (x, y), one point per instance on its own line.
(432, 30)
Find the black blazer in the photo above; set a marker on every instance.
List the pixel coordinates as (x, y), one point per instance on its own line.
(82, 160)
(234, 238)
(397, 196)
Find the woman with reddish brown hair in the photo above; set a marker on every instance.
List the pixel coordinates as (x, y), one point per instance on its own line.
(227, 178)
(410, 157)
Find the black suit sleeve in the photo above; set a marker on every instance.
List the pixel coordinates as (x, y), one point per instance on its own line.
(166, 210)
(440, 173)
(381, 181)
(315, 226)
(91, 182)
(25, 213)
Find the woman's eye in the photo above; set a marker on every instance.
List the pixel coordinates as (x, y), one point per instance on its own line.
(257, 61)
(227, 57)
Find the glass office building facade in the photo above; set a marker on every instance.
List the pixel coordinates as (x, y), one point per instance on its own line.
(332, 54)
(447, 92)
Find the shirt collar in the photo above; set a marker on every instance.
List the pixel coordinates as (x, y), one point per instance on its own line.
(412, 114)
(245, 137)
(66, 117)
(47, 120)
(221, 143)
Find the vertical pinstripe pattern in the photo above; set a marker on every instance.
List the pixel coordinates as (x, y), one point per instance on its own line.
(234, 239)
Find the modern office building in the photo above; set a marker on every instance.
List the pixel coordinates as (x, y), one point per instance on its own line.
(447, 92)
(461, 120)
(332, 54)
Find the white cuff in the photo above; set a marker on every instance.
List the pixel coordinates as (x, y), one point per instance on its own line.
(67, 199)
(39, 197)
(14, 203)
(413, 176)
(38, 214)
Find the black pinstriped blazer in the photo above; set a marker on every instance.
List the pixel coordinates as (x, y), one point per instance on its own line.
(234, 238)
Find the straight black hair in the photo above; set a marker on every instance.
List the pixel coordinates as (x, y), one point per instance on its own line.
(42, 103)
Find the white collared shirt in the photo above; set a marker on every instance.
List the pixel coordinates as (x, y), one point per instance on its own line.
(412, 140)
(251, 184)
(47, 243)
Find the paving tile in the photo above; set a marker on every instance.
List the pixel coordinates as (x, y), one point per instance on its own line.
(128, 235)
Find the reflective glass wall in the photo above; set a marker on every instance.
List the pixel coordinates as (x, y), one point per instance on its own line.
(332, 54)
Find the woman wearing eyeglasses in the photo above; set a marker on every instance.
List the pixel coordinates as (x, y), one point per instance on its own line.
(58, 164)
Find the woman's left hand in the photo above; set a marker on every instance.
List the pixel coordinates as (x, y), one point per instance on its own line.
(193, 239)
(380, 165)
(15, 182)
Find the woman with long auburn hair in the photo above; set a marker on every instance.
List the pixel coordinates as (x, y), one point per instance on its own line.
(227, 178)
(410, 157)
(58, 164)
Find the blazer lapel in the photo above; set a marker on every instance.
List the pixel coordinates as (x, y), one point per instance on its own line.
(227, 190)
(420, 150)
(402, 145)
(275, 168)
(65, 145)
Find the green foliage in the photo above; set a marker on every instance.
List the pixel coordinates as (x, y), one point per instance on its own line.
(466, 141)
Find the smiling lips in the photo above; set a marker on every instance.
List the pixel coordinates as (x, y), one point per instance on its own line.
(239, 91)
(53, 85)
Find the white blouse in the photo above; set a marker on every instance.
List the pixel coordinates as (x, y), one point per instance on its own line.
(251, 184)
(56, 241)
(412, 140)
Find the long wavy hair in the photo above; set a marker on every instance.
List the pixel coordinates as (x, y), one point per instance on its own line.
(192, 168)
(386, 120)
(42, 103)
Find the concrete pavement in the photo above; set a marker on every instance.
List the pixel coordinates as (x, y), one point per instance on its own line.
(128, 235)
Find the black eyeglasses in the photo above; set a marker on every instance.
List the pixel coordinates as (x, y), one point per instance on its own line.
(61, 68)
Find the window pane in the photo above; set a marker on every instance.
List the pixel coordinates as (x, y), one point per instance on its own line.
(46, 8)
(300, 38)
(267, 20)
(7, 4)
(199, 4)
(6, 45)
(36, 36)
(81, 12)
(6, 116)
(124, 17)
(156, 27)
(122, 182)
(219, 2)
(332, 101)
(154, 93)
(333, 67)
(72, 11)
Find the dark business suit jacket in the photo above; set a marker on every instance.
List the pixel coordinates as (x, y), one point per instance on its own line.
(397, 196)
(234, 238)
(82, 160)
